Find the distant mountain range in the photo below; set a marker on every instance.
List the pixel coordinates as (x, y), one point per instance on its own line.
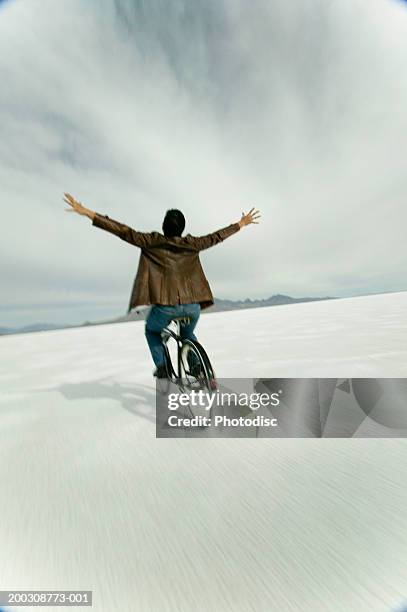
(140, 314)
(33, 328)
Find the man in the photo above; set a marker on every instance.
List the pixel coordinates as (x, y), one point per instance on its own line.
(170, 277)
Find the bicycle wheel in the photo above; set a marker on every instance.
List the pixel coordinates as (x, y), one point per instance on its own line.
(196, 369)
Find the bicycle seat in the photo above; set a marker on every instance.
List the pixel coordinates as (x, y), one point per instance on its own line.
(183, 320)
(167, 332)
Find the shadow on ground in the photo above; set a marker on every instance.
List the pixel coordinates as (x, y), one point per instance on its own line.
(137, 399)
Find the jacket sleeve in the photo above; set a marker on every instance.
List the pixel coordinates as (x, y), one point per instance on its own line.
(205, 242)
(140, 239)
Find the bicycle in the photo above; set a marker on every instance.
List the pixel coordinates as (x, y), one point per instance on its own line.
(192, 369)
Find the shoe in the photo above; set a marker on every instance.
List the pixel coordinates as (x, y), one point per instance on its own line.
(161, 371)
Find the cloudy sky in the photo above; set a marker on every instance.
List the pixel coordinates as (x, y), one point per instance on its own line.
(298, 108)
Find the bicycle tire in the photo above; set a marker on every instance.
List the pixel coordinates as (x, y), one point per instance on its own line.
(207, 378)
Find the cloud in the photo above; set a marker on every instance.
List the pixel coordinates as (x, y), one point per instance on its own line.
(212, 107)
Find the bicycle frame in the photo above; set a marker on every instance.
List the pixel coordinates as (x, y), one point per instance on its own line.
(176, 376)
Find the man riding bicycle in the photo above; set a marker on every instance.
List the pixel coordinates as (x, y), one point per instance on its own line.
(170, 277)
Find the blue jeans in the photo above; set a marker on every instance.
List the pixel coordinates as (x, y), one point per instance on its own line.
(159, 317)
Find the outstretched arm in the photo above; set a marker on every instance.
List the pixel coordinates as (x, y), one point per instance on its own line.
(140, 239)
(205, 242)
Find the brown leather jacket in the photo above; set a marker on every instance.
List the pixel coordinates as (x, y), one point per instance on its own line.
(169, 270)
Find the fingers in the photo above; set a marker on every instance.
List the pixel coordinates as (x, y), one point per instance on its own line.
(254, 215)
(252, 211)
(69, 199)
(74, 204)
(251, 217)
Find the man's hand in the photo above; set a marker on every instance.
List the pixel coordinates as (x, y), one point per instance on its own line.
(77, 206)
(251, 217)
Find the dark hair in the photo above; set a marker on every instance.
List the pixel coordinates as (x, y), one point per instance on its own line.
(174, 223)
